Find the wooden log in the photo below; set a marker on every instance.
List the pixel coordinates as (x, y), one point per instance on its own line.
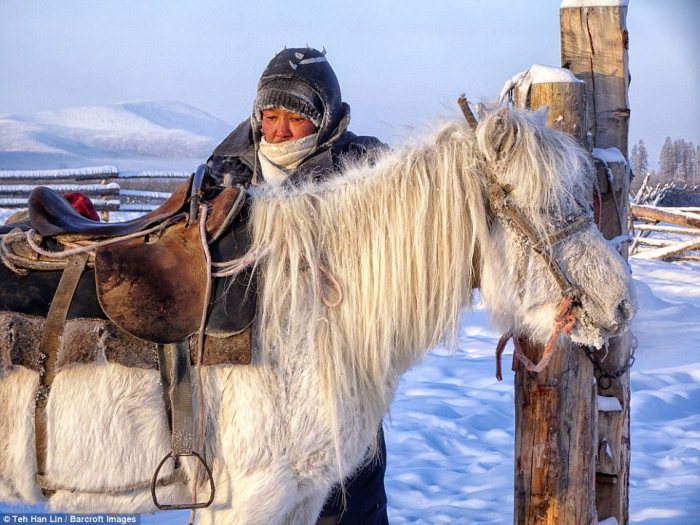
(91, 190)
(658, 243)
(97, 172)
(643, 227)
(685, 257)
(554, 410)
(611, 177)
(613, 184)
(594, 44)
(684, 209)
(566, 102)
(656, 214)
(555, 422)
(667, 252)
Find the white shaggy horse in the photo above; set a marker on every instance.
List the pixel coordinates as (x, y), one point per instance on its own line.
(362, 275)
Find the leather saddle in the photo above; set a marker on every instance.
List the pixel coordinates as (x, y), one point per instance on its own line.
(151, 285)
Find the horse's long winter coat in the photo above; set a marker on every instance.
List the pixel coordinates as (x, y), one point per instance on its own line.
(402, 239)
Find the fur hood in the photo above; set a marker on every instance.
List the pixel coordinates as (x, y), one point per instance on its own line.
(302, 79)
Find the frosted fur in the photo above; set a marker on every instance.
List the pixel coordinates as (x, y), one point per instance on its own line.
(405, 240)
(415, 194)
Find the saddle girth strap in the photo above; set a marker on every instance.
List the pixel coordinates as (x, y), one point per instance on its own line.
(50, 341)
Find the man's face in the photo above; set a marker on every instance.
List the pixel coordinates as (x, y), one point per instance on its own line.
(280, 125)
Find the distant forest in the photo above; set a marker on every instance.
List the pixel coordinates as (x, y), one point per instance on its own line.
(678, 163)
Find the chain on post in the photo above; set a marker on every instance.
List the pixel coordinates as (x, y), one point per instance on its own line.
(605, 378)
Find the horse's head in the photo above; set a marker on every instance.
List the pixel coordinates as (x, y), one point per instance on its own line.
(544, 246)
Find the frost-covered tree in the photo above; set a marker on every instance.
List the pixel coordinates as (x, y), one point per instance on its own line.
(667, 161)
(639, 160)
(680, 151)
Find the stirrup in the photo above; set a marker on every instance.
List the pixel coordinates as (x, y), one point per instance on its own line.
(181, 506)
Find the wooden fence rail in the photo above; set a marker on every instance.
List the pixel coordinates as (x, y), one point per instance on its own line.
(108, 188)
(679, 229)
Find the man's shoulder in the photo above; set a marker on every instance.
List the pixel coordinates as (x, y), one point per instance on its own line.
(233, 160)
(359, 145)
(238, 143)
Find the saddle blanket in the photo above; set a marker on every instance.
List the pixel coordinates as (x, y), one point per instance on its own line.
(87, 341)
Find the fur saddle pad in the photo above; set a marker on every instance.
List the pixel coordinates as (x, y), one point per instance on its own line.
(86, 341)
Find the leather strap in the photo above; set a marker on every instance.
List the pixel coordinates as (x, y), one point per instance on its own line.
(50, 342)
(174, 361)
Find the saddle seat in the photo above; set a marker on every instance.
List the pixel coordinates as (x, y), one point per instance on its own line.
(152, 285)
(51, 214)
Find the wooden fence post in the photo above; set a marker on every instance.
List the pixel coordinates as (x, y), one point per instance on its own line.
(555, 416)
(594, 43)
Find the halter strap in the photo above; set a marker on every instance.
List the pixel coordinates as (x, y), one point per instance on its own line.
(501, 206)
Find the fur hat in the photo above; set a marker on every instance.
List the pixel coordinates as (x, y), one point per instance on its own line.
(302, 81)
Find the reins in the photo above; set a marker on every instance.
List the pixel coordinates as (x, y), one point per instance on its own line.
(564, 322)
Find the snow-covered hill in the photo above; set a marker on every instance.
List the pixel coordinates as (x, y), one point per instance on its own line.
(169, 135)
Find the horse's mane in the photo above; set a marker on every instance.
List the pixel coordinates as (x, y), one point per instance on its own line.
(400, 237)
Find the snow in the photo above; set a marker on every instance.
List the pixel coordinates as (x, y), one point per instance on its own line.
(75, 173)
(154, 174)
(537, 74)
(144, 194)
(111, 187)
(593, 3)
(609, 404)
(83, 135)
(450, 432)
(609, 155)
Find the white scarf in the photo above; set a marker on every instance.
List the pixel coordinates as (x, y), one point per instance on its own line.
(287, 155)
(273, 175)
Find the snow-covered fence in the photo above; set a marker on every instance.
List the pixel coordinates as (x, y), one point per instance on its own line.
(108, 188)
(105, 197)
(665, 233)
(90, 173)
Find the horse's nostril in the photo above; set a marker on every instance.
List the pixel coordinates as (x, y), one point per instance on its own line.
(625, 311)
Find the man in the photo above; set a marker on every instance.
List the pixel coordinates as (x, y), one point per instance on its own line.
(298, 125)
(298, 133)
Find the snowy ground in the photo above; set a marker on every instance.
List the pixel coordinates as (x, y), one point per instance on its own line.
(450, 432)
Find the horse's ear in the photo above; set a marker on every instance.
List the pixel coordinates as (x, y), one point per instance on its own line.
(502, 116)
(505, 133)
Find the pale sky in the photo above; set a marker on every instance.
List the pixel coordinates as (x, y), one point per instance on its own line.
(401, 63)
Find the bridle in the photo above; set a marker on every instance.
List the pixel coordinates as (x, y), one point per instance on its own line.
(501, 206)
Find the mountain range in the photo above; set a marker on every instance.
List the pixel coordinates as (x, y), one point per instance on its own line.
(145, 135)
